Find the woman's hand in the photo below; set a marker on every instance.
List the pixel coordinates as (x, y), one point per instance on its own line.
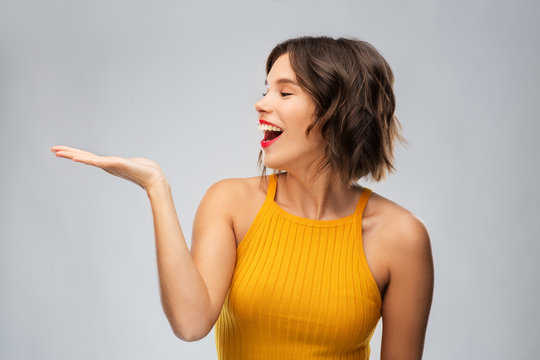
(143, 172)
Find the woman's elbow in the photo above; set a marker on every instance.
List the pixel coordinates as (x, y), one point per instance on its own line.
(191, 333)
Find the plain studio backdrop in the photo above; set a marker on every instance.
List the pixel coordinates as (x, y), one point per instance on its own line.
(175, 81)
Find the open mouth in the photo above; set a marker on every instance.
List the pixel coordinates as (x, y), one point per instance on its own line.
(271, 133)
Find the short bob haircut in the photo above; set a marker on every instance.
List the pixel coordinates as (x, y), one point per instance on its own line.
(351, 84)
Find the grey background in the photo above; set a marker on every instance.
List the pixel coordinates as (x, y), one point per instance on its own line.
(176, 82)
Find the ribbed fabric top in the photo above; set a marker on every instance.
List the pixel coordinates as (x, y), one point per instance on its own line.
(301, 289)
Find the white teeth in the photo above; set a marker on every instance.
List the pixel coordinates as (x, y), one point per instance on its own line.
(265, 127)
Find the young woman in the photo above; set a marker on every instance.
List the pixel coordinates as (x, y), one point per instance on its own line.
(300, 264)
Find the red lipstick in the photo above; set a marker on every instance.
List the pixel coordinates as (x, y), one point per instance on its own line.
(261, 121)
(269, 142)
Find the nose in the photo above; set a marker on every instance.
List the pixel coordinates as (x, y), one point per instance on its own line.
(263, 106)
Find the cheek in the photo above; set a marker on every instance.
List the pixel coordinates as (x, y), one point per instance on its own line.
(302, 118)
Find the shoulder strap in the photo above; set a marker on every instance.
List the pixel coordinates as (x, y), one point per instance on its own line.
(362, 202)
(272, 184)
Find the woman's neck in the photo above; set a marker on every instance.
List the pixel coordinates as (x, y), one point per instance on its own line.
(317, 198)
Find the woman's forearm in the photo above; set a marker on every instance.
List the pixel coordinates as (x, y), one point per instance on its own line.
(184, 295)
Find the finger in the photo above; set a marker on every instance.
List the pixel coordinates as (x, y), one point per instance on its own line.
(68, 154)
(83, 159)
(57, 148)
(104, 162)
(74, 150)
(98, 161)
(65, 154)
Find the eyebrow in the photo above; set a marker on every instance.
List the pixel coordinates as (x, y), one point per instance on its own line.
(283, 81)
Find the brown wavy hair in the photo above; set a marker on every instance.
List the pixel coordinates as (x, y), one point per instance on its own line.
(351, 84)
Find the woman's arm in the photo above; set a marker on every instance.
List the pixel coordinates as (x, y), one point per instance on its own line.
(407, 300)
(192, 288)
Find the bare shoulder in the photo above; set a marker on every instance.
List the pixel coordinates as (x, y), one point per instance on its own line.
(405, 261)
(399, 230)
(240, 189)
(240, 199)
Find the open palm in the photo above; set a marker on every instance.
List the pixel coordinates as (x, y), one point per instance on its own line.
(143, 172)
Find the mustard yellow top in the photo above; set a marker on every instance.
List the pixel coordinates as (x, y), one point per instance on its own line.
(301, 289)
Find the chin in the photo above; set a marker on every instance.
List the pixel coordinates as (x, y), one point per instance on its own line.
(276, 165)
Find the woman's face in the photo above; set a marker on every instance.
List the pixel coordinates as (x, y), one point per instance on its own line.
(287, 106)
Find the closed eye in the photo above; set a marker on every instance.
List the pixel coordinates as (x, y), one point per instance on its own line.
(282, 94)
